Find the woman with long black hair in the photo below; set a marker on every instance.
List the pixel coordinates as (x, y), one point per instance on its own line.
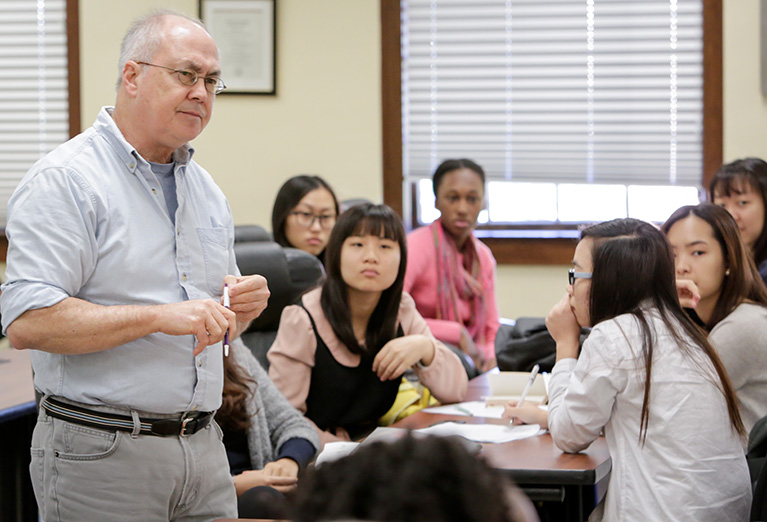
(731, 297)
(648, 377)
(339, 354)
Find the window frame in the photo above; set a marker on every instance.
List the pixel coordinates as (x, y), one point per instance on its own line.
(535, 251)
(73, 80)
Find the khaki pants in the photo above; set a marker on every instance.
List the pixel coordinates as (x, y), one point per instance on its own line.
(88, 474)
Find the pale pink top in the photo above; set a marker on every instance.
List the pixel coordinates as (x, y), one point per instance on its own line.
(291, 357)
(421, 283)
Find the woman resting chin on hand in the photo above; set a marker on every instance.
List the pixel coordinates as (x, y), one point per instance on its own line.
(644, 366)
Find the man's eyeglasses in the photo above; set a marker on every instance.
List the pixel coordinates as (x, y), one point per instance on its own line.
(306, 219)
(572, 275)
(213, 84)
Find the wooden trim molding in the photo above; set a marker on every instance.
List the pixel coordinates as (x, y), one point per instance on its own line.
(538, 251)
(391, 103)
(531, 251)
(73, 65)
(713, 113)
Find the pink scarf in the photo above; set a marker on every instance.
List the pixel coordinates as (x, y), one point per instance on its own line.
(458, 281)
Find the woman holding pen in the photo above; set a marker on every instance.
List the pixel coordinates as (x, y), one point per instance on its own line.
(646, 376)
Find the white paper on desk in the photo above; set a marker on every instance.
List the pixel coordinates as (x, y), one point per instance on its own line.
(334, 451)
(474, 409)
(484, 432)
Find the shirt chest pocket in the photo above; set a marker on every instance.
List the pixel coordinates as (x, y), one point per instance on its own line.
(214, 243)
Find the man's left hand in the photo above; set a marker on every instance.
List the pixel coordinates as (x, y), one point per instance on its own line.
(248, 297)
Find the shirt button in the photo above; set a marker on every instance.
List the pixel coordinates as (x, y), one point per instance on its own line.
(178, 231)
(199, 363)
(132, 165)
(154, 191)
(183, 276)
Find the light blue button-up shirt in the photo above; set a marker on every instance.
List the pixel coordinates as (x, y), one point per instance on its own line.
(89, 220)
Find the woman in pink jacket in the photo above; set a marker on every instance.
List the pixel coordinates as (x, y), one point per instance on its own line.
(340, 353)
(450, 273)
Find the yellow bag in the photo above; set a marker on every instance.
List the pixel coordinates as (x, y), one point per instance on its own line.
(410, 399)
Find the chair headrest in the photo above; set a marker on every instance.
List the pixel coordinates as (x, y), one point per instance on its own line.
(246, 233)
(288, 271)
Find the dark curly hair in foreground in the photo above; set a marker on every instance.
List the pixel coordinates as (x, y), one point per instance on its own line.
(410, 480)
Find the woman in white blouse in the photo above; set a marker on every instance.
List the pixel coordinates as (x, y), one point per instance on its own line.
(648, 378)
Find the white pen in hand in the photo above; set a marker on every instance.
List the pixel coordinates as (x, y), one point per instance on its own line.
(226, 335)
(529, 385)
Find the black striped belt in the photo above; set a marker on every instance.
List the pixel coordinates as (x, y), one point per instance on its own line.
(186, 424)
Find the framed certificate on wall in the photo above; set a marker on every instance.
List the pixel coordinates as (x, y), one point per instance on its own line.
(245, 31)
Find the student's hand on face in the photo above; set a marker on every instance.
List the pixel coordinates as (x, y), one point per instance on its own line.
(564, 328)
(402, 353)
(248, 296)
(688, 293)
(527, 413)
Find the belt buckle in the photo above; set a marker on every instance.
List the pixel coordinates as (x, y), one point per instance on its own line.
(187, 418)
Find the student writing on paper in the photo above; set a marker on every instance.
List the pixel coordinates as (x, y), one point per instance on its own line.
(649, 378)
(340, 353)
(710, 255)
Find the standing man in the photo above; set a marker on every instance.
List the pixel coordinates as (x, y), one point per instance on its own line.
(119, 249)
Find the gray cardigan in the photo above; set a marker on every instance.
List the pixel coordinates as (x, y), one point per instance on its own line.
(273, 420)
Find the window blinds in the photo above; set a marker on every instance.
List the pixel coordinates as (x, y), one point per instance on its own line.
(34, 115)
(564, 91)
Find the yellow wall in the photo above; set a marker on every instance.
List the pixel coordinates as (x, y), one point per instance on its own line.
(745, 109)
(325, 119)
(326, 116)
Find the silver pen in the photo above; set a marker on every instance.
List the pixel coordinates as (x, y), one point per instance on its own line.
(533, 373)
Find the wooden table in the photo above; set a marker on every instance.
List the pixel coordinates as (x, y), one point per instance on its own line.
(564, 486)
(17, 420)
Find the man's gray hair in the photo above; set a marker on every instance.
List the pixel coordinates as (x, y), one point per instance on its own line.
(144, 38)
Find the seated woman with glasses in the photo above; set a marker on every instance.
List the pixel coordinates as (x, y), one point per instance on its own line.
(648, 378)
(341, 351)
(304, 214)
(730, 299)
(450, 273)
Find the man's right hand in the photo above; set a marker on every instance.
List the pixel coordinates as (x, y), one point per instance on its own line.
(206, 319)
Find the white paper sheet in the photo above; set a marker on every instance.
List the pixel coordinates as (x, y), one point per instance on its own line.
(470, 408)
(334, 451)
(484, 432)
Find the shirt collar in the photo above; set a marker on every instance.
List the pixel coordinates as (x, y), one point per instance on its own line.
(128, 154)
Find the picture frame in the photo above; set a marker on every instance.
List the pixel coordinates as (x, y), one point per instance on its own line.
(246, 34)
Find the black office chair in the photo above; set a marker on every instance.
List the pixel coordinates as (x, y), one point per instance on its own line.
(346, 204)
(250, 233)
(289, 273)
(756, 456)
